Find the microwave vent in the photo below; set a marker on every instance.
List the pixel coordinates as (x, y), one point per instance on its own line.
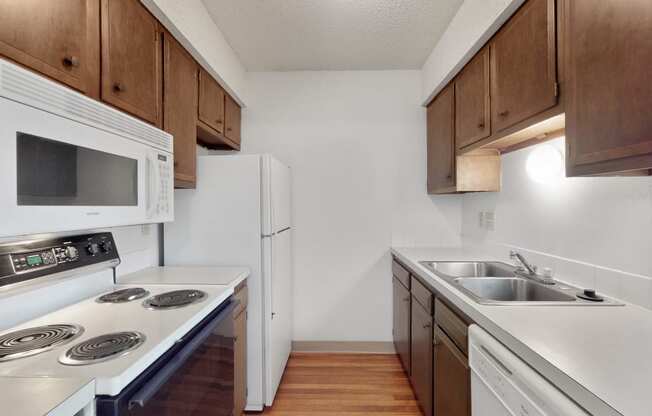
(26, 87)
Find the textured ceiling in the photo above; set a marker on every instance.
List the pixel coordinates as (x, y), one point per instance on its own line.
(288, 35)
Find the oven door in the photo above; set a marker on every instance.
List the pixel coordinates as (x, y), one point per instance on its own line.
(193, 378)
(57, 174)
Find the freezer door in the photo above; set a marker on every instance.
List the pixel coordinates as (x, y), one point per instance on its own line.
(279, 299)
(277, 184)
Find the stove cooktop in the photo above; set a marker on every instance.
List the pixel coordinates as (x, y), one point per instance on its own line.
(118, 340)
(175, 299)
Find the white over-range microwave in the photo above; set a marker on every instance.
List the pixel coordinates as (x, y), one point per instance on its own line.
(68, 162)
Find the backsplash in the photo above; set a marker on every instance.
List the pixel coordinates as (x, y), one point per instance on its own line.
(593, 232)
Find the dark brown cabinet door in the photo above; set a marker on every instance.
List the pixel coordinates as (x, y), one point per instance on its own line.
(609, 94)
(441, 148)
(233, 115)
(59, 39)
(524, 65)
(240, 363)
(421, 357)
(211, 102)
(401, 314)
(452, 379)
(472, 114)
(180, 109)
(131, 59)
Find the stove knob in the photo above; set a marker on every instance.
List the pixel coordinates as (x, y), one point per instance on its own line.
(92, 249)
(106, 246)
(71, 252)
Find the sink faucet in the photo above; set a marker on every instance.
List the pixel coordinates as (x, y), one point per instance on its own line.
(530, 271)
(515, 255)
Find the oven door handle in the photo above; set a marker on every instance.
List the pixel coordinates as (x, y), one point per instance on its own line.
(142, 396)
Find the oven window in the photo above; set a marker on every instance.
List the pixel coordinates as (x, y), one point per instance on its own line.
(61, 174)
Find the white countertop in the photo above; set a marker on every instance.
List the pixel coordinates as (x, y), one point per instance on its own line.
(45, 396)
(187, 275)
(601, 356)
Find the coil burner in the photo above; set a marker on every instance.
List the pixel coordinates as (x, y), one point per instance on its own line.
(32, 341)
(102, 348)
(175, 299)
(123, 295)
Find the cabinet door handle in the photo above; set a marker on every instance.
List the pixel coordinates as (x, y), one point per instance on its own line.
(481, 124)
(426, 326)
(407, 299)
(229, 129)
(71, 61)
(503, 113)
(119, 87)
(218, 121)
(449, 176)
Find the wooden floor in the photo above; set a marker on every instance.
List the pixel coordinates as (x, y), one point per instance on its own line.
(344, 384)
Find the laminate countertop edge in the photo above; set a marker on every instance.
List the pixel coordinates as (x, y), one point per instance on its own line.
(574, 347)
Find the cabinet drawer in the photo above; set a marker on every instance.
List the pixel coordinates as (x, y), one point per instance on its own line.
(241, 293)
(401, 274)
(452, 325)
(422, 294)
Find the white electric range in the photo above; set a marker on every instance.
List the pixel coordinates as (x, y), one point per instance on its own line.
(150, 348)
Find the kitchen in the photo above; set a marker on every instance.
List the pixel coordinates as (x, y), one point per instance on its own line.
(325, 207)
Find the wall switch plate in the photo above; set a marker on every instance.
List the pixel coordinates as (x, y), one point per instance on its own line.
(144, 229)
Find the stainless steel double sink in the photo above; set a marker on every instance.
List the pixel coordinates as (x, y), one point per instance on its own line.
(497, 283)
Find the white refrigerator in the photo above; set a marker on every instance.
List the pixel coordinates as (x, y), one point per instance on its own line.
(240, 215)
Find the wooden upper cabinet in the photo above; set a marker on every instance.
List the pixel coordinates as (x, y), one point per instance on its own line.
(609, 93)
(180, 109)
(131, 59)
(59, 39)
(232, 115)
(211, 102)
(524, 65)
(441, 149)
(472, 113)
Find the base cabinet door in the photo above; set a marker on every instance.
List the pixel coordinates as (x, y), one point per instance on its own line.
(422, 354)
(401, 327)
(240, 363)
(452, 378)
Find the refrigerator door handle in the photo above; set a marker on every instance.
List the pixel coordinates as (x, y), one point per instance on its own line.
(273, 234)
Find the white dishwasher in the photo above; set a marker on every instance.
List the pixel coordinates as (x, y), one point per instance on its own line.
(503, 385)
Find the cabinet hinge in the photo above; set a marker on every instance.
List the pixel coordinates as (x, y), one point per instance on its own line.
(556, 89)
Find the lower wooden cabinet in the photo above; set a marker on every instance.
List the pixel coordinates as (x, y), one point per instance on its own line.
(452, 377)
(240, 353)
(401, 326)
(421, 356)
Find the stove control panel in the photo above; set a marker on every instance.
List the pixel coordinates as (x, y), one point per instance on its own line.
(27, 260)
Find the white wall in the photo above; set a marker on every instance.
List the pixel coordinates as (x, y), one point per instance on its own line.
(473, 25)
(595, 232)
(356, 144)
(190, 23)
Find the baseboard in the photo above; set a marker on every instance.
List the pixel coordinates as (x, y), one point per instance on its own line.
(361, 347)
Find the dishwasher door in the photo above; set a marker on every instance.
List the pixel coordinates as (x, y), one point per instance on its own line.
(503, 385)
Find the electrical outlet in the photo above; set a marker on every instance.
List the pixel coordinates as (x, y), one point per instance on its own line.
(489, 220)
